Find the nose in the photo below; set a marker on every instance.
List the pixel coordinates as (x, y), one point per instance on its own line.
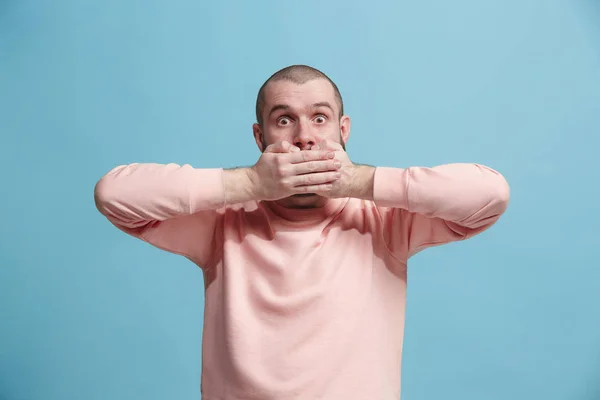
(304, 139)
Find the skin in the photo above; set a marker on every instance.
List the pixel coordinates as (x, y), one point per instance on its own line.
(302, 140)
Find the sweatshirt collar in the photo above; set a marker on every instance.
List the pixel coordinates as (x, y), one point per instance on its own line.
(307, 215)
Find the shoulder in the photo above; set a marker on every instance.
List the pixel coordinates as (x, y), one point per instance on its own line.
(365, 212)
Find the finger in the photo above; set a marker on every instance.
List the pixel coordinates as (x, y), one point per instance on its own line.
(275, 148)
(284, 147)
(294, 148)
(317, 189)
(328, 145)
(317, 178)
(304, 156)
(281, 147)
(316, 166)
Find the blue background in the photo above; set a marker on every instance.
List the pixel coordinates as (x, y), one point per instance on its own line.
(87, 312)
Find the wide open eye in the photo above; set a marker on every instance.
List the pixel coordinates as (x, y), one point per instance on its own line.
(284, 121)
(320, 119)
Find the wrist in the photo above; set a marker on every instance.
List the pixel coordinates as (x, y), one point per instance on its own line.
(362, 183)
(253, 183)
(240, 185)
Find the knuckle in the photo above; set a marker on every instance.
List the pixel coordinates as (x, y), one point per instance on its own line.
(280, 170)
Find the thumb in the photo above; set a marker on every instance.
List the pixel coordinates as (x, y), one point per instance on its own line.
(281, 147)
(328, 145)
(288, 147)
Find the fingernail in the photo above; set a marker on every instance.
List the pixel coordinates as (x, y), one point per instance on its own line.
(337, 164)
(330, 155)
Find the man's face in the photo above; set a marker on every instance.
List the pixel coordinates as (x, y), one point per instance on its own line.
(303, 115)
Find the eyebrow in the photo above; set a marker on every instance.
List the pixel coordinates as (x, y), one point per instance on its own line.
(323, 104)
(278, 107)
(285, 107)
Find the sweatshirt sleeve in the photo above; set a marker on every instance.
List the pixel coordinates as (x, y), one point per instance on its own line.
(170, 206)
(423, 207)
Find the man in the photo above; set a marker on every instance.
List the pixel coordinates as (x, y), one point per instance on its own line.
(304, 254)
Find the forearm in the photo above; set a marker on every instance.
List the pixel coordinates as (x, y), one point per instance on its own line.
(136, 194)
(471, 195)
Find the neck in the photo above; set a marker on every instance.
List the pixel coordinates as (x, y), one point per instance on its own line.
(303, 201)
(299, 210)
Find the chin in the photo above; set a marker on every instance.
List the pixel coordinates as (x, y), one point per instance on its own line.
(304, 200)
(304, 195)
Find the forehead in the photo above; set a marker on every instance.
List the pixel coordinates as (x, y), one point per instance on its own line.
(299, 95)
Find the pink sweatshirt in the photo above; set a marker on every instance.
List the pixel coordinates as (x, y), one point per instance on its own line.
(302, 304)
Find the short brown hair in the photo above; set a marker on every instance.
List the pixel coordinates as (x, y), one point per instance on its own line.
(298, 74)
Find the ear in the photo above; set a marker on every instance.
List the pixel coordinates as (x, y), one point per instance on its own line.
(258, 137)
(345, 124)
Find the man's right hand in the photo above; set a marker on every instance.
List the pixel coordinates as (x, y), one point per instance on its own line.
(283, 170)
